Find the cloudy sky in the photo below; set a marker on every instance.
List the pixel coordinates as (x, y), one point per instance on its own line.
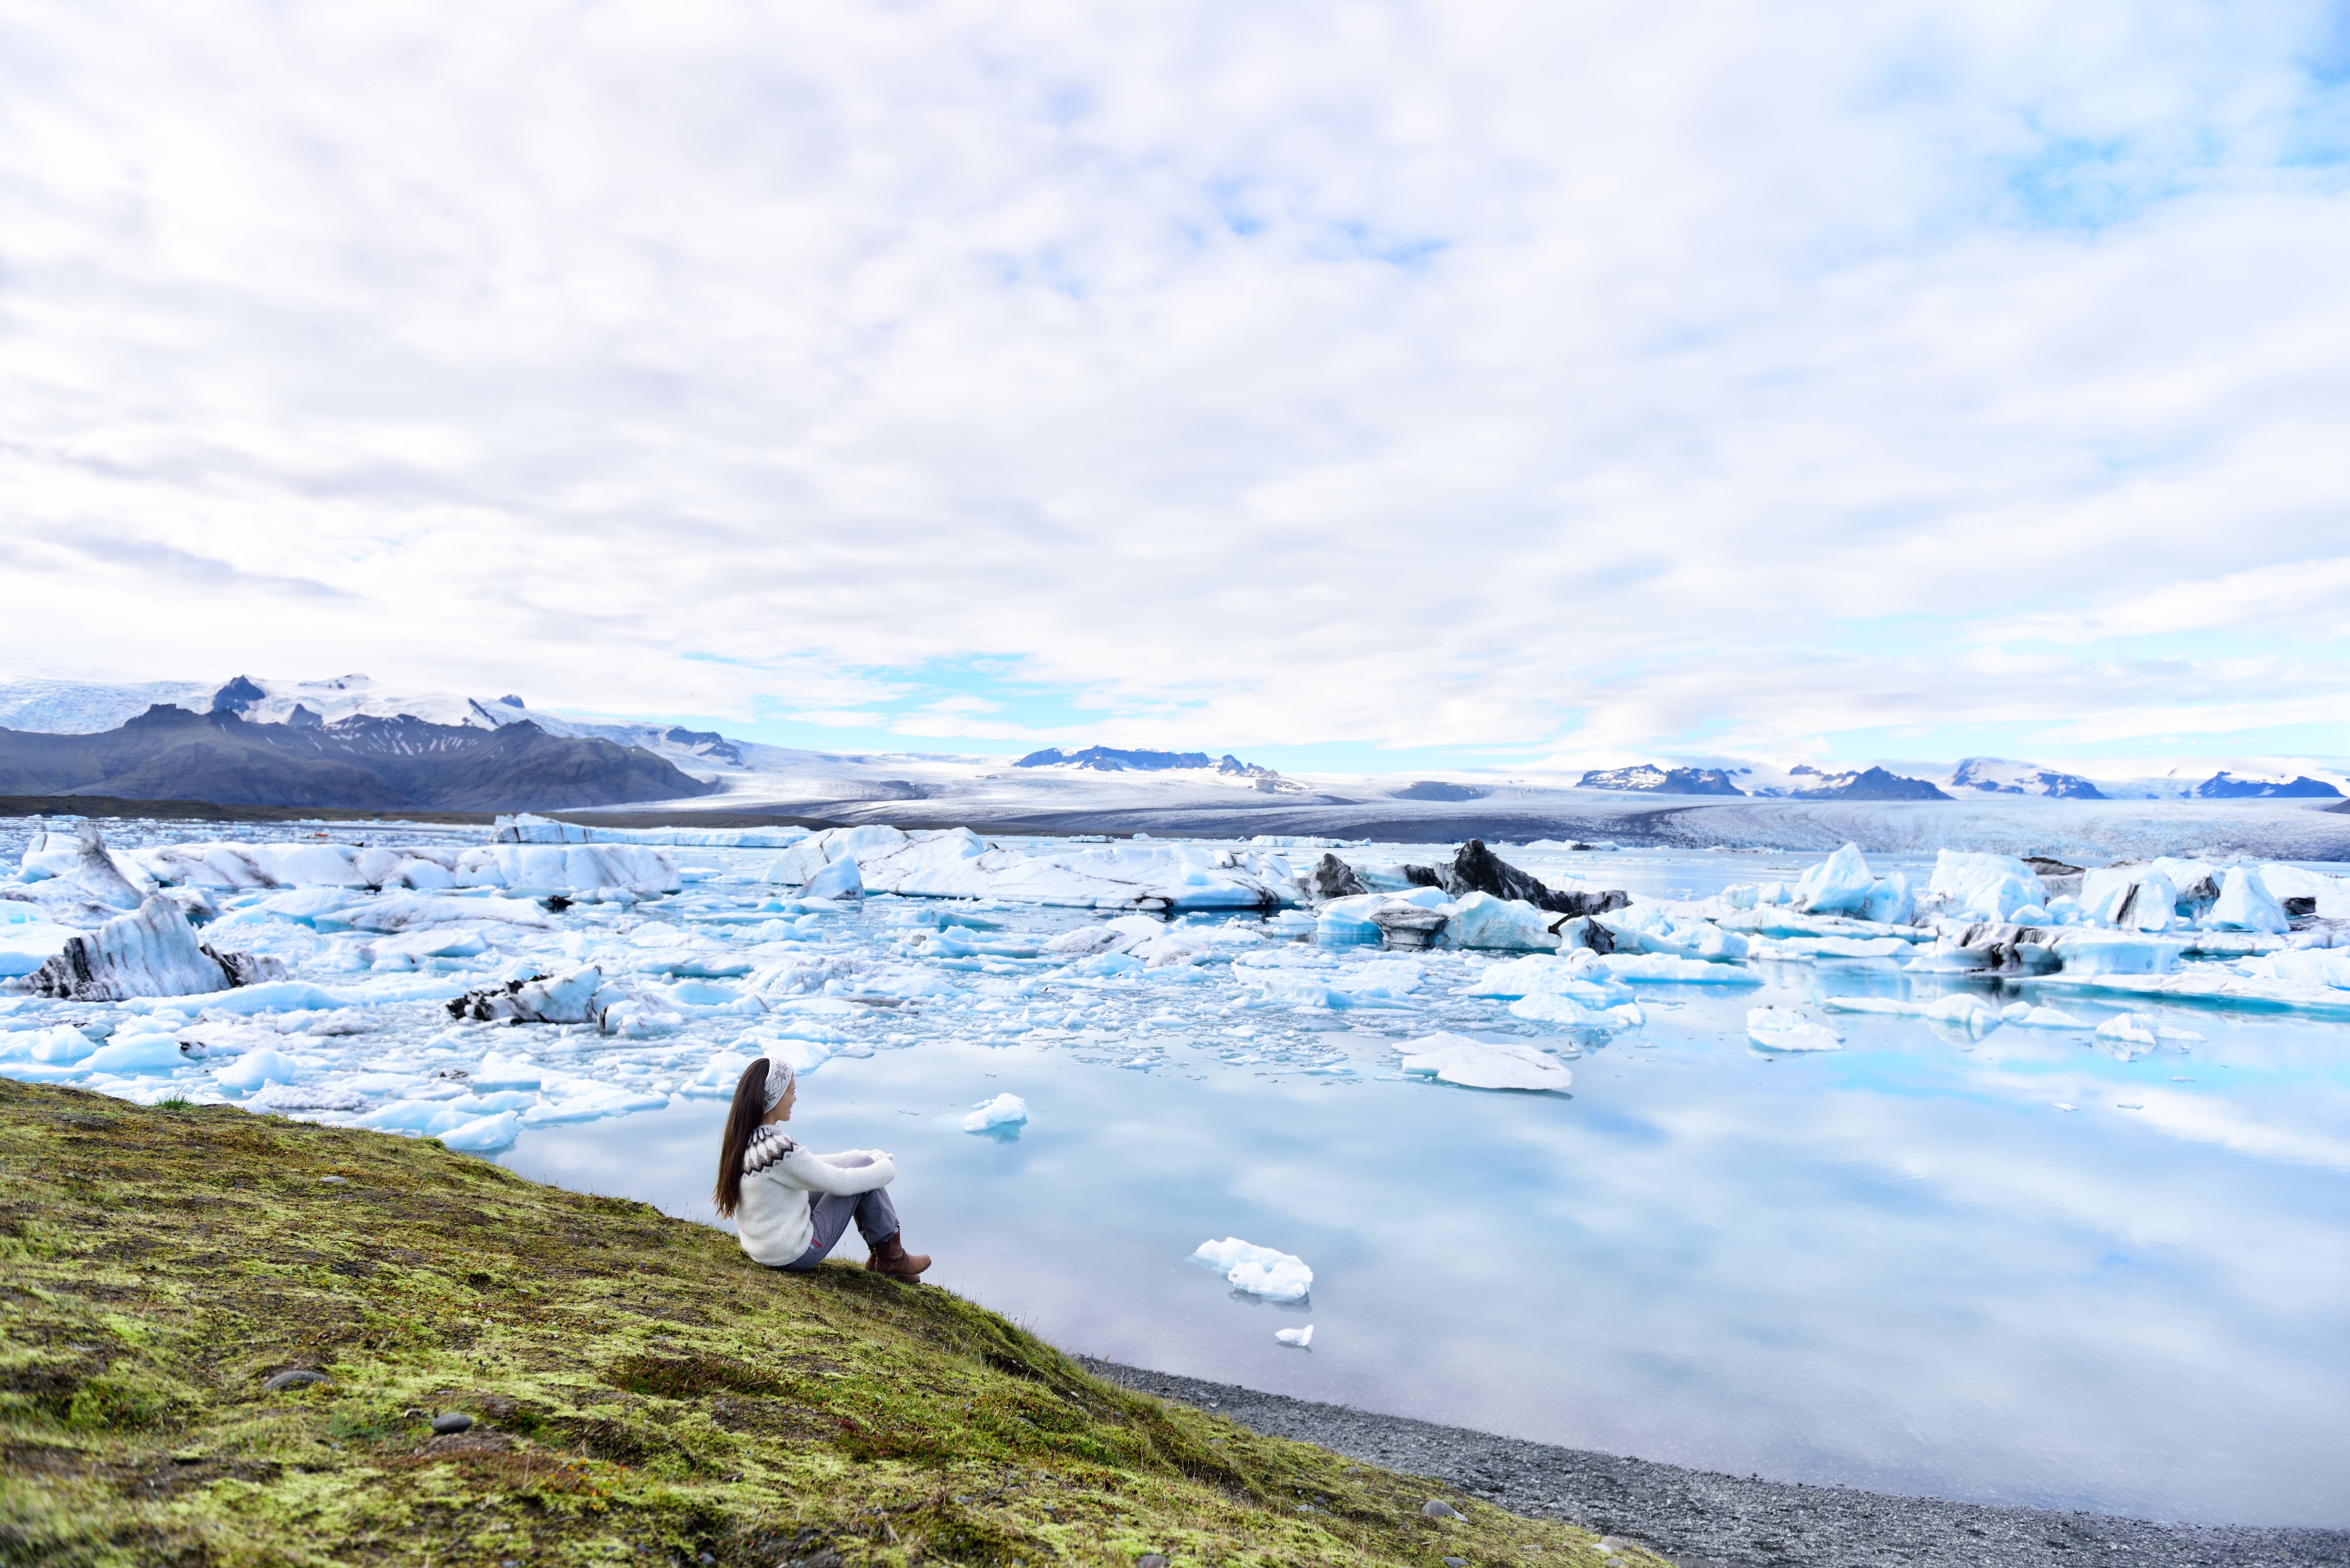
(1369, 384)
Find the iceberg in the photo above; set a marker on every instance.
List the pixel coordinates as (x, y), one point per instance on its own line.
(838, 880)
(1839, 885)
(1482, 1065)
(2244, 905)
(1978, 886)
(1482, 921)
(541, 1000)
(151, 952)
(526, 828)
(1004, 1111)
(1300, 1337)
(955, 863)
(1258, 1271)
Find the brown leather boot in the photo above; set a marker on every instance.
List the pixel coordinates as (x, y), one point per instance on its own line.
(891, 1258)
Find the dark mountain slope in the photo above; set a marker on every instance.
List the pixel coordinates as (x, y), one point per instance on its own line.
(362, 763)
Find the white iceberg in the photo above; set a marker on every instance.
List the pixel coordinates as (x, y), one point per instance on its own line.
(1482, 921)
(1300, 1337)
(1482, 1065)
(2244, 905)
(1839, 885)
(841, 879)
(1978, 886)
(955, 863)
(1004, 1111)
(1258, 1271)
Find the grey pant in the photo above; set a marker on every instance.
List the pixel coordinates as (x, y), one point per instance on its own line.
(877, 1221)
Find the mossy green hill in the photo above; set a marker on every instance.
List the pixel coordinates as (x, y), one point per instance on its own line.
(642, 1391)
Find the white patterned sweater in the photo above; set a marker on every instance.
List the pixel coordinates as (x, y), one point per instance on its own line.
(774, 1221)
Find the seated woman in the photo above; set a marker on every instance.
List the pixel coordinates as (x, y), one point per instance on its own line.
(790, 1206)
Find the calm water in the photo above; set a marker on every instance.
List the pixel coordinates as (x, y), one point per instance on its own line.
(1898, 1266)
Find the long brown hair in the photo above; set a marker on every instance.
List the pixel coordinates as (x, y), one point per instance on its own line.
(750, 1109)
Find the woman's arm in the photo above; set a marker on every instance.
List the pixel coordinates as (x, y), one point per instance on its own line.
(818, 1173)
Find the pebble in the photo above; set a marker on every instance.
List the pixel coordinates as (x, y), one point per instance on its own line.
(1437, 1508)
(294, 1377)
(338, 1180)
(452, 1421)
(1456, 1562)
(1150, 1560)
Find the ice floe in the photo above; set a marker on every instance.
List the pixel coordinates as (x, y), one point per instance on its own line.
(1257, 1271)
(1483, 1064)
(1785, 1029)
(1303, 1338)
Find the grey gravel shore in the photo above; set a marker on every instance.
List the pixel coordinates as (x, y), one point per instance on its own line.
(1698, 1520)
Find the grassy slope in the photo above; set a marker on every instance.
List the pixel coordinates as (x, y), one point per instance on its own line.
(644, 1393)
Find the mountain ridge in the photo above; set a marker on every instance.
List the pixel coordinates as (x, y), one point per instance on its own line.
(362, 762)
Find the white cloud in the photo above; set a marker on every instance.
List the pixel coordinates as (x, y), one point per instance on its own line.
(1424, 374)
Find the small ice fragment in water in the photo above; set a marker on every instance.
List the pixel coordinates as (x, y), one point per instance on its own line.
(2061, 1106)
(1004, 1111)
(1785, 1029)
(1300, 1337)
(1478, 1064)
(1258, 1271)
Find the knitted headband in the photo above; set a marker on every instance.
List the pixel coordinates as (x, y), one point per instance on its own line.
(779, 1083)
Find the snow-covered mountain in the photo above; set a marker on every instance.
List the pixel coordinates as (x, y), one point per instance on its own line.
(1998, 775)
(1099, 787)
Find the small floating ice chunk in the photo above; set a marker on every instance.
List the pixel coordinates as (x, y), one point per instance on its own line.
(1004, 1111)
(2130, 1029)
(256, 1068)
(483, 1134)
(1478, 1064)
(1258, 1271)
(1300, 1337)
(1785, 1029)
(2044, 1018)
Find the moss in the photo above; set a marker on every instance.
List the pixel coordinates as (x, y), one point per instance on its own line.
(641, 1391)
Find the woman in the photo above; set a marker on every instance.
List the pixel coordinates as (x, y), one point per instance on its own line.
(790, 1206)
